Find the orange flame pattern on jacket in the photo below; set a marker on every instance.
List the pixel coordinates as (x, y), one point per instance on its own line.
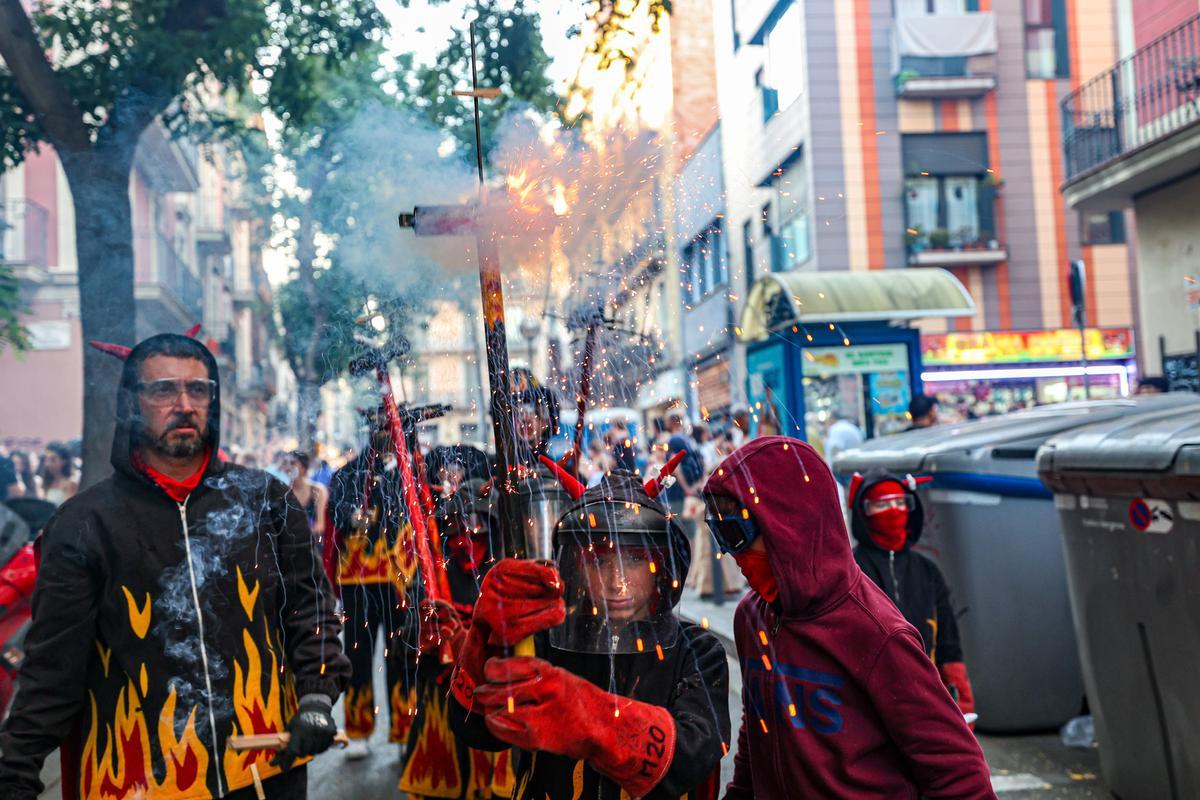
(367, 561)
(126, 771)
(491, 774)
(253, 714)
(359, 705)
(403, 710)
(432, 769)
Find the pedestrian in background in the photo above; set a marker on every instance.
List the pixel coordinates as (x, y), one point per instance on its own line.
(312, 496)
(622, 446)
(700, 576)
(57, 474)
(923, 411)
(740, 431)
(26, 474)
(10, 484)
(840, 698)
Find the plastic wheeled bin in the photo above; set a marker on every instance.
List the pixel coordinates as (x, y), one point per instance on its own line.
(1128, 495)
(992, 528)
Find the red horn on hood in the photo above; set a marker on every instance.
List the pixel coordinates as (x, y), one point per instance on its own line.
(117, 351)
(566, 479)
(655, 485)
(852, 491)
(192, 331)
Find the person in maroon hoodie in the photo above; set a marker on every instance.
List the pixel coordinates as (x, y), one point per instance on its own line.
(839, 697)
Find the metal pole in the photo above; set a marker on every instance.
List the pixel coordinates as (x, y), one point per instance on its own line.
(496, 343)
(1087, 383)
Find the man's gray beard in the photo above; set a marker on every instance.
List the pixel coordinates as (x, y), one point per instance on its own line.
(181, 449)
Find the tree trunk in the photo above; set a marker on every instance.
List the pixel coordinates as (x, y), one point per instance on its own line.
(99, 181)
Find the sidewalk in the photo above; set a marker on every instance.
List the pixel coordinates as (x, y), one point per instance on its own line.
(717, 618)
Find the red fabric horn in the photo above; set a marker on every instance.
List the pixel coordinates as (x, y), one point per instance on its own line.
(852, 490)
(118, 351)
(655, 485)
(192, 331)
(572, 486)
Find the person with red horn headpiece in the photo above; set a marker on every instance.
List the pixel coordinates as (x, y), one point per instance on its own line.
(623, 698)
(182, 597)
(886, 519)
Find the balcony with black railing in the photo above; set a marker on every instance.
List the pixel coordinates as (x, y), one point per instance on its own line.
(1136, 125)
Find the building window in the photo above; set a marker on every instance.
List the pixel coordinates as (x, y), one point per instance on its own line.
(1046, 53)
(785, 54)
(748, 252)
(706, 263)
(920, 8)
(791, 240)
(1103, 228)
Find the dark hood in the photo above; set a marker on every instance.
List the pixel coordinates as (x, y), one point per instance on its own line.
(794, 502)
(625, 500)
(858, 519)
(127, 404)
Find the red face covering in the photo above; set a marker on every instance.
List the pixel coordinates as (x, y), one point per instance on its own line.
(756, 566)
(888, 529)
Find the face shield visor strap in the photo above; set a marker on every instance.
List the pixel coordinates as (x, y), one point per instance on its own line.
(732, 527)
(619, 592)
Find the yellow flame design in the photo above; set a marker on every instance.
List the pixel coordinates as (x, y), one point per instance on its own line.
(254, 713)
(247, 596)
(139, 618)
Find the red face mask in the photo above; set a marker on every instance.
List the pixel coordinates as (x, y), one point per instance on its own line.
(756, 566)
(885, 507)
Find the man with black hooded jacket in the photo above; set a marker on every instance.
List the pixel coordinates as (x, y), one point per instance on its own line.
(179, 602)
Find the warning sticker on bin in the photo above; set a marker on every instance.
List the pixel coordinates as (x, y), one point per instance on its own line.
(1151, 516)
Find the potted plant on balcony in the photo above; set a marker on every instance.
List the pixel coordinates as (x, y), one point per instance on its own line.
(939, 239)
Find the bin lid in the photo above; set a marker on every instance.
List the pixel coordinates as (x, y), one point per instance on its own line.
(1157, 441)
(1015, 436)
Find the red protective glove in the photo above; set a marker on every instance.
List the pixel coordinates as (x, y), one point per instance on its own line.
(555, 711)
(954, 675)
(517, 599)
(441, 622)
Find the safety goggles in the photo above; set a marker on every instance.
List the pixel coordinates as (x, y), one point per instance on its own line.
(165, 392)
(882, 504)
(732, 526)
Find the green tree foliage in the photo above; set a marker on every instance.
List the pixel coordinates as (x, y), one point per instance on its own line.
(89, 77)
(12, 332)
(511, 57)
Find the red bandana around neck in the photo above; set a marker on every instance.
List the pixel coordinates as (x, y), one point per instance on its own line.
(176, 490)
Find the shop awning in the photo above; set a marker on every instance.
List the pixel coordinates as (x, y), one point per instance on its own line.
(782, 299)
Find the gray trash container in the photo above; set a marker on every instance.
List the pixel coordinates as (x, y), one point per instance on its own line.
(1128, 494)
(992, 528)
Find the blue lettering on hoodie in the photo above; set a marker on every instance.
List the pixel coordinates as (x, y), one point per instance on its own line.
(806, 698)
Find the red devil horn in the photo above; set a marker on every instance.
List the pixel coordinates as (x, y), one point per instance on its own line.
(572, 486)
(855, 484)
(192, 331)
(655, 485)
(118, 351)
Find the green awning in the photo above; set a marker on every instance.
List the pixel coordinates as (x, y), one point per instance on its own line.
(782, 299)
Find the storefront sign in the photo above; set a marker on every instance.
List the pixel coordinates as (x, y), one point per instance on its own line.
(1025, 347)
(855, 359)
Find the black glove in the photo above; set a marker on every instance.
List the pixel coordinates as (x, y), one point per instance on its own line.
(312, 730)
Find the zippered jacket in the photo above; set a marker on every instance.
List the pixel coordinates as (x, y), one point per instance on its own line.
(839, 698)
(160, 629)
(910, 579)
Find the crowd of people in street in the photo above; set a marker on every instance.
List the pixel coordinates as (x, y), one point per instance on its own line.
(51, 475)
(190, 601)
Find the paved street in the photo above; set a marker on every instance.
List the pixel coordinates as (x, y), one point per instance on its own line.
(1023, 767)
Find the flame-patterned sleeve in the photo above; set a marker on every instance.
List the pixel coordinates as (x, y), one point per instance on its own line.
(311, 626)
(60, 644)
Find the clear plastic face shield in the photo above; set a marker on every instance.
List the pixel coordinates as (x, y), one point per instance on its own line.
(621, 581)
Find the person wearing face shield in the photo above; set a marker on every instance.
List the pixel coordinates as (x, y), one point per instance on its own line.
(437, 763)
(840, 698)
(886, 519)
(623, 698)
